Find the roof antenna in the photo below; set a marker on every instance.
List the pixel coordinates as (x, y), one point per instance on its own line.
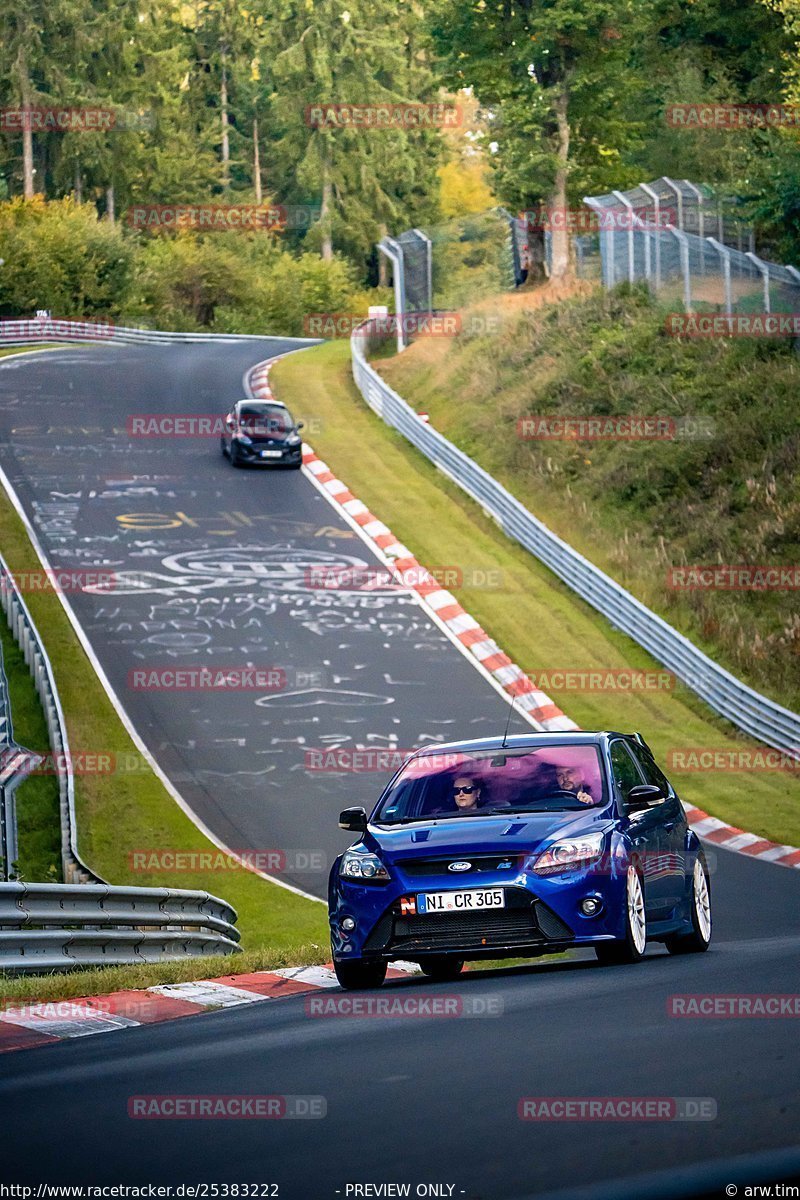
(508, 722)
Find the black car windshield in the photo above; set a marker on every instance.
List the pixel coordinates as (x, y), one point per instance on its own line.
(265, 418)
(551, 778)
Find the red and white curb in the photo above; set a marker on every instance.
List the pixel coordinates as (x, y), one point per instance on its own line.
(440, 604)
(446, 611)
(47, 1022)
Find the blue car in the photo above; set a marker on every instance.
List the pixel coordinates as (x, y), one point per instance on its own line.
(518, 847)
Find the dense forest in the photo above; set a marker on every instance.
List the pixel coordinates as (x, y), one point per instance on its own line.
(207, 104)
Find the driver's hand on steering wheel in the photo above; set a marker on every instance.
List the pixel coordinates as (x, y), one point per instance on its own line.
(584, 797)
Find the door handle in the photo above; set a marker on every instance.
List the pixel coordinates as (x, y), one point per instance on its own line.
(670, 824)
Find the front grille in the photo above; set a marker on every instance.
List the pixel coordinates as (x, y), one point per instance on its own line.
(524, 921)
(465, 931)
(417, 867)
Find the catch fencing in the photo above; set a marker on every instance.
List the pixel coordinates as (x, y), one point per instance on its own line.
(745, 708)
(690, 247)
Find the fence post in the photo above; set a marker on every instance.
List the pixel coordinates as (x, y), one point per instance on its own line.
(394, 252)
(725, 255)
(428, 267)
(683, 246)
(678, 197)
(764, 269)
(648, 191)
(623, 199)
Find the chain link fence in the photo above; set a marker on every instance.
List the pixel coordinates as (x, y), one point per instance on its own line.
(690, 247)
(443, 267)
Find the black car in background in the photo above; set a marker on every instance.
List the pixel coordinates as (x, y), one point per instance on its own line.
(262, 432)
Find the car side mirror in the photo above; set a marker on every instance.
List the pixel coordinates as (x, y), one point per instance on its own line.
(354, 819)
(300, 425)
(642, 796)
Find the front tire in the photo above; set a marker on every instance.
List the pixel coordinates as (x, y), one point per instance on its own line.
(631, 949)
(698, 941)
(358, 975)
(442, 967)
(234, 456)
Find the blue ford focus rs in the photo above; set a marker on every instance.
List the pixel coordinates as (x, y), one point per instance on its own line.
(518, 847)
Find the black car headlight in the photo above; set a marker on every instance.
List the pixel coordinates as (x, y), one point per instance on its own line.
(363, 868)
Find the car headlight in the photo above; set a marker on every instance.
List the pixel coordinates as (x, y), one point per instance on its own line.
(366, 868)
(570, 855)
(242, 437)
(294, 440)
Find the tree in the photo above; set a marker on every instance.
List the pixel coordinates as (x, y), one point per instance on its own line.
(554, 77)
(361, 52)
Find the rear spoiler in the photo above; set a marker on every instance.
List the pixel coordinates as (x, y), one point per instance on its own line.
(637, 737)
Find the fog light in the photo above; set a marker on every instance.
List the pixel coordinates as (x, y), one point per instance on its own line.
(348, 923)
(590, 906)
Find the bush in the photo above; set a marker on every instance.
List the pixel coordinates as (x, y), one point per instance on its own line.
(58, 255)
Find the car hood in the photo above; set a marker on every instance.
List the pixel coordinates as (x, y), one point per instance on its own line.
(517, 833)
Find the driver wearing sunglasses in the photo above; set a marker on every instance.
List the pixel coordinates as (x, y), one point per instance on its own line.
(466, 794)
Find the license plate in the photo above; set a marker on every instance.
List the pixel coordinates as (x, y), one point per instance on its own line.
(472, 901)
(271, 453)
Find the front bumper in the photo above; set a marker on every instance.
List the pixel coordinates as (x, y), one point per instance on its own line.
(269, 454)
(541, 916)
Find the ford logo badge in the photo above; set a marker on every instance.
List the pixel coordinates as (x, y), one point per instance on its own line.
(459, 866)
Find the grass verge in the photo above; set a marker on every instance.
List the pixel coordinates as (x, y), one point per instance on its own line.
(99, 981)
(38, 829)
(721, 490)
(534, 617)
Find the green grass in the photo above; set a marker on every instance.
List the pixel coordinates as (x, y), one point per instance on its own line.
(637, 508)
(535, 618)
(38, 827)
(99, 981)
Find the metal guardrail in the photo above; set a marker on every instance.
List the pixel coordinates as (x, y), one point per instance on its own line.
(745, 708)
(23, 332)
(52, 926)
(27, 638)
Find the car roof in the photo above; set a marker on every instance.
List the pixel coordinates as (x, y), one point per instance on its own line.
(532, 740)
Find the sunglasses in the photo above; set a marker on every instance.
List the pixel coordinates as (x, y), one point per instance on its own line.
(469, 789)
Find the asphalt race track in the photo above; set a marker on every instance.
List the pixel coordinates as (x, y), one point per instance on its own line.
(409, 1100)
(214, 567)
(414, 1100)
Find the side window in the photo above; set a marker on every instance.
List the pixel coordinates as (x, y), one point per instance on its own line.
(624, 769)
(652, 774)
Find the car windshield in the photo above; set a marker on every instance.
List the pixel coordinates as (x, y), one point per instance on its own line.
(264, 418)
(478, 783)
